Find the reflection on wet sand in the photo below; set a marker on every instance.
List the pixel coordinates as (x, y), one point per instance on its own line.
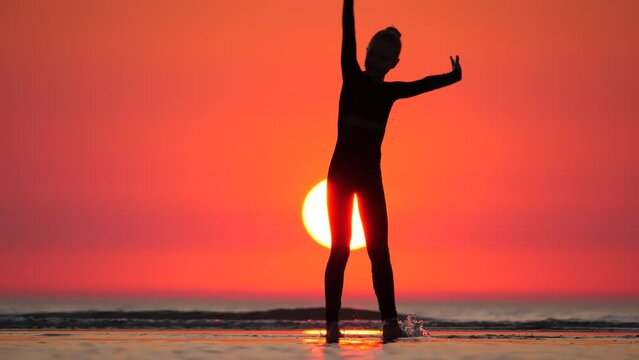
(300, 344)
(356, 343)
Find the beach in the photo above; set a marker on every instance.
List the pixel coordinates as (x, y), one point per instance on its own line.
(180, 329)
(308, 344)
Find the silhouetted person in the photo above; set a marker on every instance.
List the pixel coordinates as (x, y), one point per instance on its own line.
(364, 105)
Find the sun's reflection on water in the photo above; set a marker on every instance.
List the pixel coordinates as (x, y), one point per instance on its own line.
(355, 343)
(350, 333)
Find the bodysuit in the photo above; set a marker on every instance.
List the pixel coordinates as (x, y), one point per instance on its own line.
(364, 108)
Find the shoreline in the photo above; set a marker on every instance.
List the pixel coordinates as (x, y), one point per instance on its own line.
(310, 332)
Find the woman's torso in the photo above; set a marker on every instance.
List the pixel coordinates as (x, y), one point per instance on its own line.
(364, 107)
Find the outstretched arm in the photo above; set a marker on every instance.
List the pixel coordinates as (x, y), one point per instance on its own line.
(407, 89)
(349, 52)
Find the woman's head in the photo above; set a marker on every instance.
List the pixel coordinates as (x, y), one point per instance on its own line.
(383, 51)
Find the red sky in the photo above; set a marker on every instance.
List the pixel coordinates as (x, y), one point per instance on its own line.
(152, 147)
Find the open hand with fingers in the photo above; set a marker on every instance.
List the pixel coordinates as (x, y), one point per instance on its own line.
(456, 67)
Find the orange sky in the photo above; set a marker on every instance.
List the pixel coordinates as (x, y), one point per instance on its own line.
(167, 146)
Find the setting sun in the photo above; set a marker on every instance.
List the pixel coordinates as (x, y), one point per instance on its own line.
(315, 217)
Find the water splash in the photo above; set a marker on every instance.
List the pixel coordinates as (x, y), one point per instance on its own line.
(413, 327)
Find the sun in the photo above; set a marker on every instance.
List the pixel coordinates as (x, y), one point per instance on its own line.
(315, 217)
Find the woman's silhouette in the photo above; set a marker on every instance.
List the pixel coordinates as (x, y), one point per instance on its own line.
(364, 105)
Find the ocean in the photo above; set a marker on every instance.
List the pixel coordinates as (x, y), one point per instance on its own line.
(256, 314)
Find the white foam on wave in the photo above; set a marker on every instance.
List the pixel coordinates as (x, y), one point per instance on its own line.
(413, 327)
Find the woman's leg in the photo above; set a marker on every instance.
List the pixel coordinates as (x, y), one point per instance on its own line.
(340, 211)
(372, 208)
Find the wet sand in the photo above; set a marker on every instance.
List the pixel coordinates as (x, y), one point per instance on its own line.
(298, 344)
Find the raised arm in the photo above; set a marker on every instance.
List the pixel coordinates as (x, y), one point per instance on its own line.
(407, 89)
(349, 52)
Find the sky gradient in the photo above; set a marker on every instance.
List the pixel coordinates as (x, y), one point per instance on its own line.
(165, 147)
